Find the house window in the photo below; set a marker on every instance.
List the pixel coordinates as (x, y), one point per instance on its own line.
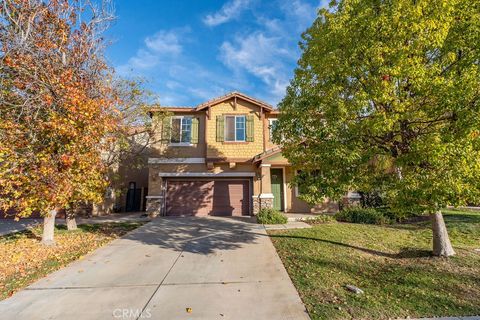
(271, 125)
(298, 189)
(235, 128)
(304, 179)
(181, 130)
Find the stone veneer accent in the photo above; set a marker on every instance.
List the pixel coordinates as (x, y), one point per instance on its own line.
(154, 206)
(352, 199)
(260, 202)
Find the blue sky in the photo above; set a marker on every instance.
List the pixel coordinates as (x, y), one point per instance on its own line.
(190, 51)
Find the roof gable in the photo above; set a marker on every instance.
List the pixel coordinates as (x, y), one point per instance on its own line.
(205, 105)
(235, 95)
(267, 154)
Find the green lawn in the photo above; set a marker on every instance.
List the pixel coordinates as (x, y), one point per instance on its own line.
(23, 259)
(392, 264)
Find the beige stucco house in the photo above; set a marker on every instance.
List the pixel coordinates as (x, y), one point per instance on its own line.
(217, 158)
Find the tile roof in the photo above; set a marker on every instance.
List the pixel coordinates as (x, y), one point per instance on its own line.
(208, 103)
(231, 95)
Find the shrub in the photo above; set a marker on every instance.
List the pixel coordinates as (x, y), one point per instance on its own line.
(271, 216)
(398, 215)
(362, 215)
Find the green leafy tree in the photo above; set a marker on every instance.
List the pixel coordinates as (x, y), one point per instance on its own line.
(386, 96)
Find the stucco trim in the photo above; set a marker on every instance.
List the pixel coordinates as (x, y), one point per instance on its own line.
(266, 196)
(225, 160)
(175, 160)
(206, 174)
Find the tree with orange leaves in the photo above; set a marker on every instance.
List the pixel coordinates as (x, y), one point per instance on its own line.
(56, 105)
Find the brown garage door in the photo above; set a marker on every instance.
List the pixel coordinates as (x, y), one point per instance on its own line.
(212, 197)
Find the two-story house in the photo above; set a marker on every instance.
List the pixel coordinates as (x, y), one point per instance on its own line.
(218, 158)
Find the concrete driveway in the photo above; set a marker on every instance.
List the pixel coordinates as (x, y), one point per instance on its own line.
(10, 226)
(171, 268)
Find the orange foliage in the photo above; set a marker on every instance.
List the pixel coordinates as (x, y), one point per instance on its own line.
(56, 106)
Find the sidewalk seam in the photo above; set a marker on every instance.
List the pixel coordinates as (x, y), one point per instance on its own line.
(158, 287)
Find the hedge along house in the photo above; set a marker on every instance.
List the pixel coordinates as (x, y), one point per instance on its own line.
(218, 158)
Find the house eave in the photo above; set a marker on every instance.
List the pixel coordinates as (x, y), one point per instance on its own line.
(231, 95)
(206, 174)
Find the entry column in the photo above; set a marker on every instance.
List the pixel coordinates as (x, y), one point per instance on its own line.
(265, 198)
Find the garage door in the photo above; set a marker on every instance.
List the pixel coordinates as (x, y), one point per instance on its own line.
(212, 197)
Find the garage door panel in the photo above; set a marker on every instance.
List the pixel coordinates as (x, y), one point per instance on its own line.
(189, 198)
(201, 198)
(229, 197)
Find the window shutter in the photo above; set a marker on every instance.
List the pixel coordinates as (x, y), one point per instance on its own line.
(250, 132)
(220, 128)
(194, 132)
(166, 124)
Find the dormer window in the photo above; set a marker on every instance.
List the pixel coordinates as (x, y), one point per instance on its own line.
(235, 128)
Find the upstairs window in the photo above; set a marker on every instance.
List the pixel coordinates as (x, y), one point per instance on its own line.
(271, 126)
(235, 128)
(181, 131)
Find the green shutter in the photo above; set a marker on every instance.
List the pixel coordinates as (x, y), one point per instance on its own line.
(250, 132)
(220, 128)
(166, 123)
(194, 132)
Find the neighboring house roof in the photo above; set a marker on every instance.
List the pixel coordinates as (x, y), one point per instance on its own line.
(134, 129)
(209, 103)
(172, 108)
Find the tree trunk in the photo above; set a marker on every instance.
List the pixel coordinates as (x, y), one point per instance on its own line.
(49, 228)
(441, 241)
(70, 219)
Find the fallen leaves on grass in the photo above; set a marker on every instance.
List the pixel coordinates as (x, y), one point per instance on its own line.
(23, 259)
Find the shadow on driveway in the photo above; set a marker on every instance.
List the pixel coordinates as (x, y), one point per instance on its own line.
(197, 234)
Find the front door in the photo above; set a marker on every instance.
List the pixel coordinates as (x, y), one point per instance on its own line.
(133, 197)
(276, 177)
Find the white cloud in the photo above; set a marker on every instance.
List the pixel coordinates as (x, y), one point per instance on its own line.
(257, 53)
(230, 10)
(263, 56)
(169, 98)
(172, 85)
(258, 58)
(302, 11)
(143, 60)
(163, 45)
(164, 42)
(270, 52)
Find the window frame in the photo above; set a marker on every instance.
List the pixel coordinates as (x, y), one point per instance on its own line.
(180, 144)
(297, 189)
(225, 129)
(270, 122)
